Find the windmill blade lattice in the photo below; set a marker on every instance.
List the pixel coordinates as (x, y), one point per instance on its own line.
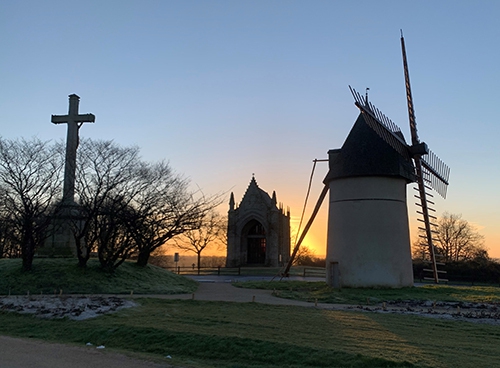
(382, 125)
(436, 173)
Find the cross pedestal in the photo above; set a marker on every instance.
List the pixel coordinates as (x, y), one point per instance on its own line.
(60, 241)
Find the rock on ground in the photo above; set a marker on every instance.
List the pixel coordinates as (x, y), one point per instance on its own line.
(72, 307)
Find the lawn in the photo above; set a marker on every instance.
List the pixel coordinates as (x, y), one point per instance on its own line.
(320, 291)
(247, 335)
(219, 334)
(51, 276)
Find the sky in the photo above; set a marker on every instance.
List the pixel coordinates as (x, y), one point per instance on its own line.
(226, 89)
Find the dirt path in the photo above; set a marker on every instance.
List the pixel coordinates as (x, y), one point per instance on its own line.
(26, 353)
(218, 291)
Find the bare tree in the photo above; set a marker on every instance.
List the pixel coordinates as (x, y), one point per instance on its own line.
(112, 236)
(9, 246)
(30, 180)
(105, 183)
(304, 257)
(212, 231)
(154, 205)
(164, 209)
(455, 240)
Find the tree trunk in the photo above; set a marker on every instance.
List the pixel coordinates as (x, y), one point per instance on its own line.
(28, 254)
(143, 258)
(199, 262)
(82, 261)
(82, 252)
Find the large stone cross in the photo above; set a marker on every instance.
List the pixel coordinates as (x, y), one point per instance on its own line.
(74, 122)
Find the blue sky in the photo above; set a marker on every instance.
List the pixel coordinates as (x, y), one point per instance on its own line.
(224, 89)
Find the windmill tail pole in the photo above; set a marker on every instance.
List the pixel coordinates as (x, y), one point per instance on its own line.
(306, 229)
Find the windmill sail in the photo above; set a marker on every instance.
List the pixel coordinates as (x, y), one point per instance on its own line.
(382, 125)
(429, 169)
(437, 173)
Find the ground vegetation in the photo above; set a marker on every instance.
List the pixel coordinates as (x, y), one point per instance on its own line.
(247, 335)
(55, 276)
(321, 292)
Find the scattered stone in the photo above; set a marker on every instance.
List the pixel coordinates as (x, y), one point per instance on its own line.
(72, 307)
(464, 311)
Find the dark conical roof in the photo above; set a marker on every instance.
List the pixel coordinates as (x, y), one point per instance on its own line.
(364, 153)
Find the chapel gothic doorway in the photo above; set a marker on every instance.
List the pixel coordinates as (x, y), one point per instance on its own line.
(256, 243)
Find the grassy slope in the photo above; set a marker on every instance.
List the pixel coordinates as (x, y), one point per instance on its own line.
(309, 291)
(216, 334)
(49, 276)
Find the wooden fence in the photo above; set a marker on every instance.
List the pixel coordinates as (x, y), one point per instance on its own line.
(205, 270)
(246, 271)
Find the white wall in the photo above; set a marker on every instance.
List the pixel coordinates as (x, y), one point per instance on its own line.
(368, 233)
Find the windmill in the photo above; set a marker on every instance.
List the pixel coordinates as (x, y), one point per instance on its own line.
(368, 231)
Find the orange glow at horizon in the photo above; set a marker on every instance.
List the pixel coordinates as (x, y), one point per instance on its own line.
(316, 239)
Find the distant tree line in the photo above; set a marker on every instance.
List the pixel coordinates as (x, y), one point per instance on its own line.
(306, 257)
(465, 271)
(126, 207)
(461, 247)
(454, 239)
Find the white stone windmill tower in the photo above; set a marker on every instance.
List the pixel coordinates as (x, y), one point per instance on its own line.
(368, 231)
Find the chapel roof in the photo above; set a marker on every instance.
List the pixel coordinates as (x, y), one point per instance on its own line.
(254, 192)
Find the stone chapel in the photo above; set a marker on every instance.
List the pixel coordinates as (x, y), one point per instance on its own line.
(258, 231)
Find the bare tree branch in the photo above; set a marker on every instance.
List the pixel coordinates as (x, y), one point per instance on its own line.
(456, 240)
(212, 231)
(30, 178)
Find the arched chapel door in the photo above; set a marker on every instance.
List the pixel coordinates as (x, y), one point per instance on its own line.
(256, 243)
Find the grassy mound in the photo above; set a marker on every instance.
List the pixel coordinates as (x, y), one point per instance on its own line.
(50, 276)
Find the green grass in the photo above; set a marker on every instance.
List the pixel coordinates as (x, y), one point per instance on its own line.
(217, 334)
(252, 335)
(320, 291)
(49, 276)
